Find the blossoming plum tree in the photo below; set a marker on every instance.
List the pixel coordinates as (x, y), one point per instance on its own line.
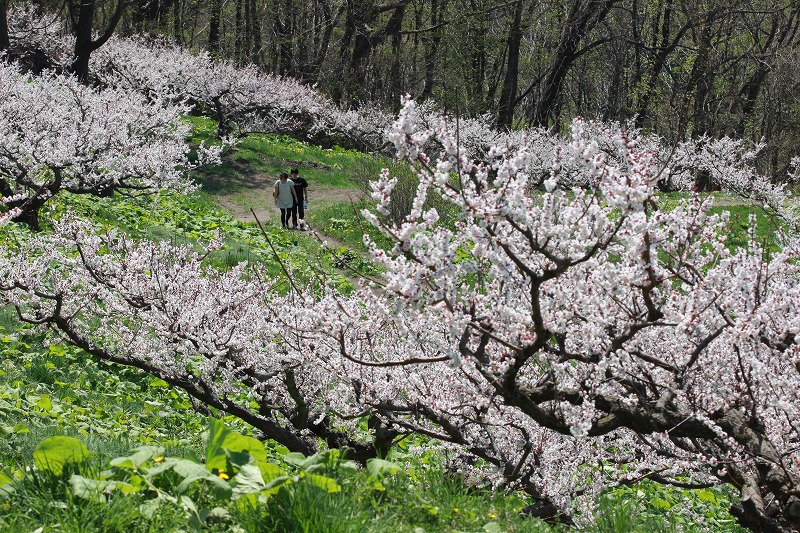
(590, 311)
(56, 134)
(243, 100)
(569, 338)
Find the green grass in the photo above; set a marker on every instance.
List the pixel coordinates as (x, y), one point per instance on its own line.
(649, 506)
(195, 220)
(766, 228)
(60, 390)
(113, 409)
(42, 503)
(269, 155)
(343, 222)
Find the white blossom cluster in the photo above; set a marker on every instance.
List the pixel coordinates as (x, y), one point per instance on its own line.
(240, 97)
(589, 309)
(56, 134)
(562, 331)
(246, 100)
(569, 339)
(39, 32)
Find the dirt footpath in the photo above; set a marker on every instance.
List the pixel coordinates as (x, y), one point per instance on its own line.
(256, 194)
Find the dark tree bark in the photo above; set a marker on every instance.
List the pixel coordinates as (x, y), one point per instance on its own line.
(393, 29)
(360, 19)
(177, 32)
(584, 16)
(431, 41)
(240, 45)
(701, 79)
(362, 41)
(782, 36)
(477, 32)
(83, 20)
(324, 20)
(255, 31)
(163, 12)
(508, 95)
(214, 23)
(303, 20)
(5, 42)
(662, 48)
(144, 11)
(284, 29)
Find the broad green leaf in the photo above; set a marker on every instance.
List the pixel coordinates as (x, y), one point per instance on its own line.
(433, 510)
(189, 504)
(706, 495)
(319, 460)
(294, 458)
(192, 472)
(375, 484)
(167, 464)
(381, 467)
(127, 488)
(247, 502)
(54, 453)
(325, 483)
(150, 507)
(91, 489)
(6, 484)
(349, 467)
(44, 402)
(658, 503)
(248, 480)
(186, 468)
(219, 512)
(278, 482)
(493, 527)
(221, 440)
(17, 428)
(140, 456)
(270, 471)
(57, 349)
(239, 459)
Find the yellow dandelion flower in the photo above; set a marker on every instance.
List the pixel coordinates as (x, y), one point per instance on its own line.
(223, 475)
(455, 510)
(158, 459)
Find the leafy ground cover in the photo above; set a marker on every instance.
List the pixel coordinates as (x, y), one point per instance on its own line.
(134, 474)
(50, 389)
(115, 450)
(240, 486)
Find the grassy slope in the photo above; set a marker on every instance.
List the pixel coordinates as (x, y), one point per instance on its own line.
(58, 390)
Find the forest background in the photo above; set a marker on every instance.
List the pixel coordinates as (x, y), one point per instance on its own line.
(680, 69)
(536, 68)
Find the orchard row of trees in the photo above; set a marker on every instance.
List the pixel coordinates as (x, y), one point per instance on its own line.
(681, 69)
(148, 85)
(559, 333)
(558, 343)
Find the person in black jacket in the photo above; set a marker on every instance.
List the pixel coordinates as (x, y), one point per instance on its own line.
(301, 193)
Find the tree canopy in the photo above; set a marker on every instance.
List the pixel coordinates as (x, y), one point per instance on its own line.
(556, 322)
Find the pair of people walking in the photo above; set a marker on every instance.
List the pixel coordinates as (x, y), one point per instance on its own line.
(291, 197)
